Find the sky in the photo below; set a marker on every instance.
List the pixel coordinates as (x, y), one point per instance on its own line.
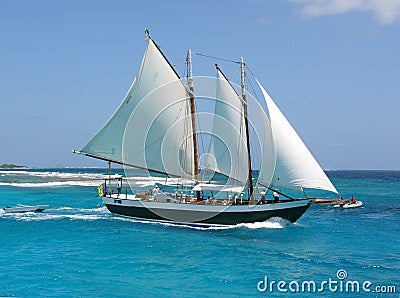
(333, 68)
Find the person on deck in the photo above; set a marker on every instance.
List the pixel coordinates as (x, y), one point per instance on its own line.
(353, 200)
(276, 196)
(235, 199)
(119, 186)
(262, 200)
(155, 192)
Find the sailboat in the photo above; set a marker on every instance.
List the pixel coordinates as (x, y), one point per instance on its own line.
(154, 129)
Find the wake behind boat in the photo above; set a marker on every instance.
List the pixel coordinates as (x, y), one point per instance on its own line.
(25, 208)
(156, 129)
(325, 201)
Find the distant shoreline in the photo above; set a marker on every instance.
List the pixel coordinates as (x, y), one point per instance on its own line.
(11, 166)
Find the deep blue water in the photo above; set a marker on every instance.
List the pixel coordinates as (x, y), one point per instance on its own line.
(76, 248)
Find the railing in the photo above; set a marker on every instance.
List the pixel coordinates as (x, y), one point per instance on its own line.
(113, 186)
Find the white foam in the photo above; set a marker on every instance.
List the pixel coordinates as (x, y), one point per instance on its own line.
(91, 215)
(102, 209)
(272, 223)
(182, 225)
(61, 175)
(43, 216)
(52, 183)
(14, 172)
(55, 179)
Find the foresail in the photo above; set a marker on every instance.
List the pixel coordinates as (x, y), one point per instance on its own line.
(295, 167)
(262, 138)
(152, 119)
(228, 150)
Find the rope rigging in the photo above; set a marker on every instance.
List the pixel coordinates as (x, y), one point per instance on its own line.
(213, 57)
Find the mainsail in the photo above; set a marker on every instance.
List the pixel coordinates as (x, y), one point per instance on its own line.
(153, 118)
(295, 167)
(228, 150)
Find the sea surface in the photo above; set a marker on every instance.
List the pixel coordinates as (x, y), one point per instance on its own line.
(76, 248)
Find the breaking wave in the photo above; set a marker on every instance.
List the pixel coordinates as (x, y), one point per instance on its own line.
(89, 214)
(272, 223)
(50, 179)
(52, 184)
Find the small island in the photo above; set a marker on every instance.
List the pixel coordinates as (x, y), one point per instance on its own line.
(10, 166)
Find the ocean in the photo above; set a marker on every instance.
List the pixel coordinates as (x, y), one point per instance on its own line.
(76, 248)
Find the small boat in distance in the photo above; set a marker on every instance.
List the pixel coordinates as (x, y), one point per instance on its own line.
(25, 208)
(352, 203)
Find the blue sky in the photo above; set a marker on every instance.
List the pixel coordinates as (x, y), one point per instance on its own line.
(333, 67)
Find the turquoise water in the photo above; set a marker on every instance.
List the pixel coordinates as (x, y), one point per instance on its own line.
(76, 248)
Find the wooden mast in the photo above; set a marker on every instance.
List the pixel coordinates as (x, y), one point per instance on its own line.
(246, 122)
(189, 77)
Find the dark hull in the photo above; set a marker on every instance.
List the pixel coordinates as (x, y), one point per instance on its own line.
(223, 218)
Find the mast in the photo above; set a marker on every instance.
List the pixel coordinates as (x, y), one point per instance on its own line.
(109, 175)
(189, 77)
(243, 86)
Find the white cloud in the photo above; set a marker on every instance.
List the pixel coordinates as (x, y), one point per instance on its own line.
(385, 11)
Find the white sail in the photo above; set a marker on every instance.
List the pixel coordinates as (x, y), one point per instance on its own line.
(228, 150)
(151, 128)
(107, 143)
(262, 141)
(295, 167)
(218, 187)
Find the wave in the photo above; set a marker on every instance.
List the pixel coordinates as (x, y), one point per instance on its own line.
(102, 213)
(86, 214)
(52, 183)
(173, 224)
(102, 209)
(61, 175)
(46, 216)
(24, 178)
(272, 223)
(51, 179)
(14, 172)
